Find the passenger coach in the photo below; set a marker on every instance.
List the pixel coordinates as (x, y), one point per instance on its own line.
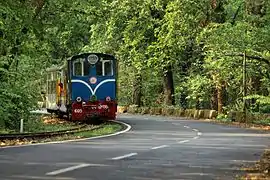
(83, 87)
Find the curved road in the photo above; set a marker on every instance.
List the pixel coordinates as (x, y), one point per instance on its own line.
(155, 148)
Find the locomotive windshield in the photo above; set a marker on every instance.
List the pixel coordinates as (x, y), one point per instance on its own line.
(80, 67)
(103, 67)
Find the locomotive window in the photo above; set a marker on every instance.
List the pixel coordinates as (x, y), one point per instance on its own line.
(86, 68)
(78, 68)
(107, 68)
(104, 68)
(99, 68)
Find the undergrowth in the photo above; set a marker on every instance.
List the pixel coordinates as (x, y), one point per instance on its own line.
(34, 123)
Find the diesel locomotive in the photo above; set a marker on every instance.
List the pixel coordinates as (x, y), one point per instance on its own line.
(83, 87)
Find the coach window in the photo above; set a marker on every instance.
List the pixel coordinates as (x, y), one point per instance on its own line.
(107, 68)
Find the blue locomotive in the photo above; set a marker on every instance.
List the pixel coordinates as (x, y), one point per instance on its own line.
(85, 86)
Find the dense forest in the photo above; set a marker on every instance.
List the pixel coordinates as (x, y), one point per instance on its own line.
(204, 54)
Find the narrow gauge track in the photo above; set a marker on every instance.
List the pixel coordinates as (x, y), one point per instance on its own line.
(40, 135)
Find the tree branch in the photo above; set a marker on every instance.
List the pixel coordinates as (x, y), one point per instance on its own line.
(236, 14)
(39, 4)
(261, 59)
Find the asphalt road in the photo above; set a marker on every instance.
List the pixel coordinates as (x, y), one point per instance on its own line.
(155, 148)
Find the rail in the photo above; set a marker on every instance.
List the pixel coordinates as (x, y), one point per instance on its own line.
(47, 134)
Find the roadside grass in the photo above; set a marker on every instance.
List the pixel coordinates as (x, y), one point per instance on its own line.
(4, 131)
(264, 122)
(37, 123)
(258, 125)
(104, 129)
(260, 170)
(254, 120)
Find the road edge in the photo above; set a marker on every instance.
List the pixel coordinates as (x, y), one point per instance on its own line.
(128, 128)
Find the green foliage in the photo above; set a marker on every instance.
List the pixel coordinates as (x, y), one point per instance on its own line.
(203, 41)
(197, 89)
(261, 103)
(265, 122)
(34, 123)
(108, 128)
(260, 99)
(223, 118)
(33, 37)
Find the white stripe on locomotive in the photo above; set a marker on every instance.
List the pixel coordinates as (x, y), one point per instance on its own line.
(89, 87)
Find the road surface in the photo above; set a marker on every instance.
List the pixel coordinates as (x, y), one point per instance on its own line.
(155, 148)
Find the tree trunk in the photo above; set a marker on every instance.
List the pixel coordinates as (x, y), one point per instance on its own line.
(219, 98)
(256, 89)
(214, 103)
(218, 91)
(137, 90)
(169, 86)
(38, 4)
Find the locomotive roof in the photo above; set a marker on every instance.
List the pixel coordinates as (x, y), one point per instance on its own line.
(87, 54)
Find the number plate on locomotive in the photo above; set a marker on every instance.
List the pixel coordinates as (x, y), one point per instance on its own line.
(78, 110)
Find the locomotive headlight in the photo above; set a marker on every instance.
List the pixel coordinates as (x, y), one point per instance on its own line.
(78, 99)
(93, 98)
(92, 59)
(108, 98)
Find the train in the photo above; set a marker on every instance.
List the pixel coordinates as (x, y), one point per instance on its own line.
(83, 87)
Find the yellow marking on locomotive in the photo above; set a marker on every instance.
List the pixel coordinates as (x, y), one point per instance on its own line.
(58, 91)
(64, 90)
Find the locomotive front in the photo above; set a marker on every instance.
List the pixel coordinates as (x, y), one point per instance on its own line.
(92, 84)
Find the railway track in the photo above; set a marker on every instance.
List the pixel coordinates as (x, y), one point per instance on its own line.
(40, 135)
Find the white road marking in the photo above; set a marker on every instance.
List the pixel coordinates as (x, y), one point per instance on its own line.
(41, 178)
(159, 147)
(186, 127)
(202, 167)
(238, 134)
(62, 164)
(46, 164)
(184, 141)
(196, 137)
(74, 140)
(124, 156)
(194, 174)
(195, 130)
(60, 171)
(244, 161)
(199, 133)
